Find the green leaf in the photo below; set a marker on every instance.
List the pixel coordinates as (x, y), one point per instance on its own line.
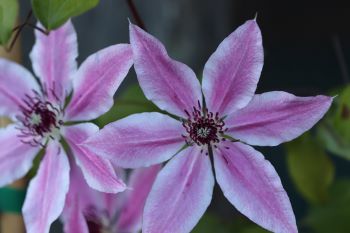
(131, 101)
(342, 115)
(54, 13)
(334, 215)
(333, 141)
(310, 168)
(210, 223)
(8, 17)
(254, 229)
(334, 131)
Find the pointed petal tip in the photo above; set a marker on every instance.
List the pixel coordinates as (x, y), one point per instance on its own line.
(133, 27)
(256, 16)
(121, 187)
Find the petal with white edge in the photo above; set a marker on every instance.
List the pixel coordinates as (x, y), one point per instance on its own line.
(253, 186)
(181, 193)
(47, 191)
(98, 172)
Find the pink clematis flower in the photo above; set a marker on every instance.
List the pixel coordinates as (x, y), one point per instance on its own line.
(40, 114)
(218, 124)
(87, 210)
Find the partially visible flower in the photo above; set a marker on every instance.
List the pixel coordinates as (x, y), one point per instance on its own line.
(40, 113)
(218, 124)
(87, 210)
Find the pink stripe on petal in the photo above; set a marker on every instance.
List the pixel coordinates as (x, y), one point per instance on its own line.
(47, 191)
(15, 83)
(73, 217)
(80, 198)
(97, 80)
(98, 172)
(15, 157)
(252, 185)
(54, 60)
(139, 140)
(171, 85)
(180, 195)
(141, 181)
(275, 117)
(231, 74)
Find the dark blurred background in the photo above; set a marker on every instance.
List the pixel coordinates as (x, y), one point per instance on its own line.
(302, 41)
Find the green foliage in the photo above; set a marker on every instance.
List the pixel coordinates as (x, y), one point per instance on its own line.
(333, 141)
(342, 115)
(210, 223)
(54, 13)
(8, 17)
(310, 168)
(335, 129)
(334, 215)
(253, 229)
(131, 101)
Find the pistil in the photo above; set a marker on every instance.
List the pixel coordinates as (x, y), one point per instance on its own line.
(203, 127)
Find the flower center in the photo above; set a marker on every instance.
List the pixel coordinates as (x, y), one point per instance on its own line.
(40, 119)
(97, 221)
(203, 127)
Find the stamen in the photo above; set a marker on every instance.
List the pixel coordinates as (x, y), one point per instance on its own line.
(40, 119)
(203, 127)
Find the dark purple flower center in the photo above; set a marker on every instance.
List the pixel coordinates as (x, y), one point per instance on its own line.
(203, 127)
(40, 118)
(97, 221)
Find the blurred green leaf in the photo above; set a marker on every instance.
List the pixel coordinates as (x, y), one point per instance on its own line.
(334, 131)
(54, 13)
(333, 141)
(334, 215)
(131, 101)
(8, 17)
(342, 115)
(253, 229)
(310, 168)
(210, 223)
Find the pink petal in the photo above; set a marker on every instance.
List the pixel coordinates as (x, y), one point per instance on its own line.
(111, 203)
(141, 181)
(139, 140)
(171, 85)
(80, 197)
(53, 59)
(97, 80)
(275, 117)
(47, 191)
(252, 185)
(98, 172)
(181, 193)
(231, 74)
(15, 157)
(15, 83)
(73, 217)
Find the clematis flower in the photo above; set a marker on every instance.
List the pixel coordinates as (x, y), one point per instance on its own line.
(41, 118)
(220, 124)
(87, 210)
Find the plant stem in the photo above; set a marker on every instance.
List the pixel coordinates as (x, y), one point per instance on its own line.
(341, 59)
(18, 29)
(136, 15)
